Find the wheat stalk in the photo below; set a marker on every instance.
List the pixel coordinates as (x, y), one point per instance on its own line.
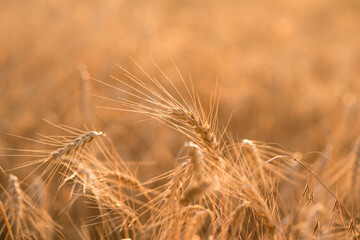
(3, 213)
(356, 166)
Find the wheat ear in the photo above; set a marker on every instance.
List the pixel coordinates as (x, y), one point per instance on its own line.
(126, 180)
(202, 128)
(195, 191)
(197, 160)
(16, 195)
(236, 218)
(195, 223)
(74, 145)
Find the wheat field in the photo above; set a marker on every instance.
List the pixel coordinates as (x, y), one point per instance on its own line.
(180, 120)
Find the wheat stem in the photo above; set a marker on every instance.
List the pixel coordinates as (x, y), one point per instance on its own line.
(3, 213)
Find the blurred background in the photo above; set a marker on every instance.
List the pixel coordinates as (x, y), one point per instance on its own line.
(289, 71)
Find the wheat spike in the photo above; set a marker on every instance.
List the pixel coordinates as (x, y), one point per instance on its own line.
(16, 195)
(194, 192)
(197, 160)
(195, 223)
(126, 180)
(75, 144)
(202, 128)
(236, 218)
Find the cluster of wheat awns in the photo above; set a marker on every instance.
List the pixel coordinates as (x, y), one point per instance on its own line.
(221, 189)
